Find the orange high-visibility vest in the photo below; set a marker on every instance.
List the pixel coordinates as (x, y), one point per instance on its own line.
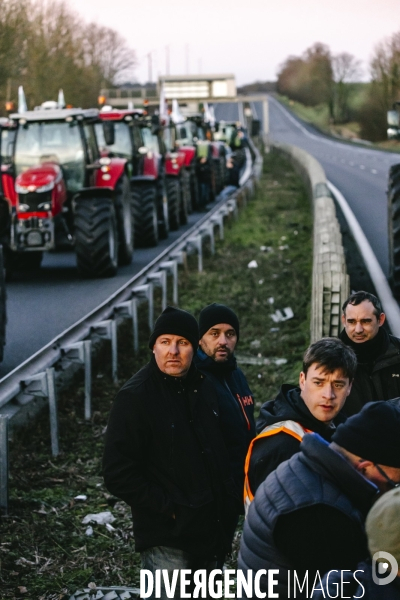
(291, 428)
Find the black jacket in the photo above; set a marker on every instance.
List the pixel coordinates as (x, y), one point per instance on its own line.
(378, 371)
(236, 409)
(308, 515)
(269, 452)
(164, 455)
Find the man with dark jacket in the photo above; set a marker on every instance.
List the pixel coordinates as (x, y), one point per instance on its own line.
(378, 353)
(315, 406)
(219, 334)
(309, 513)
(165, 456)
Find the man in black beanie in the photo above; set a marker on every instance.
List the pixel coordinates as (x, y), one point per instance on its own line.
(219, 334)
(378, 353)
(165, 456)
(309, 513)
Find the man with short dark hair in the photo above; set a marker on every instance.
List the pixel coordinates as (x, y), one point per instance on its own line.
(308, 515)
(219, 334)
(315, 406)
(378, 353)
(165, 455)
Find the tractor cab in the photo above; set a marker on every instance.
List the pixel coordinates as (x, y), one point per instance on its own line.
(59, 186)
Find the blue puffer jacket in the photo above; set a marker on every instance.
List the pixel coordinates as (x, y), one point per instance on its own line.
(236, 409)
(315, 476)
(357, 585)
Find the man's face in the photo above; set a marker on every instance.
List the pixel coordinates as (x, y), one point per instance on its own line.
(324, 393)
(173, 354)
(360, 322)
(219, 342)
(371, 472)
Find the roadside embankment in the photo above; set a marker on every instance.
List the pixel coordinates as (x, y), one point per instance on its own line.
(262, 269)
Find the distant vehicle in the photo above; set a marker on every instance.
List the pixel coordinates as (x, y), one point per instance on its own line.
(393, 195)
(61, 192)
(138, 139)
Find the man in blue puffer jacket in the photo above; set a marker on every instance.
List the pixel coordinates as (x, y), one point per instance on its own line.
(219, 334)
(309, 513)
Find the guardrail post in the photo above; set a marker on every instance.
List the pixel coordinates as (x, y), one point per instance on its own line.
(129, 309)
(43, 385)
(52, 395)
(218, 218)
(81, 353)
(197, 242)
(4, 465)
(171, 266)
(146, 291)
(160, 278)
(108, 331)
(208, 229)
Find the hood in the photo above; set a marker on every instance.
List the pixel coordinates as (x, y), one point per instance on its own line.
(289, 405)
(41, 178)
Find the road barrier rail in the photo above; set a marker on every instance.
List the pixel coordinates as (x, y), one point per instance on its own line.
(37, 380)
(330, 281)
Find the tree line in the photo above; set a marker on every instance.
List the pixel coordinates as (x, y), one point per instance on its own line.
(45, 46)
(320, 77)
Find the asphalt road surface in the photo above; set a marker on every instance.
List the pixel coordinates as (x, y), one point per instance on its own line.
(359, 172)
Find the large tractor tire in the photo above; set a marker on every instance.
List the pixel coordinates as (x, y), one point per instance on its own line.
(194, 191)
(144, 210)
(124, 221)
(20, 261)
(163, 212)
(96, 237)
(186, 201)
(174, 193)
(3, 311)
(394, 230)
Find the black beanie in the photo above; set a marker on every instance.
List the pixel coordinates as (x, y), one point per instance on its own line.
(175, 321)
(213, 314)
(373, 433)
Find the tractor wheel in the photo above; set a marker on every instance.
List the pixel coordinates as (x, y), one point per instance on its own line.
(163, 213)
(20, 261)
(144, 211)
(3, 311)
(186, 205)
(194, 191)
(217, 175)
(96, 237)
(174, 193)
(124, 221)
(394, 237)
(394, 175)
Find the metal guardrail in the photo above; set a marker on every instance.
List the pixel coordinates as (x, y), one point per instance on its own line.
(330, 281)
(37, 378)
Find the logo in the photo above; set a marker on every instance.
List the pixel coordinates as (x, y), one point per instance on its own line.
(384, 563)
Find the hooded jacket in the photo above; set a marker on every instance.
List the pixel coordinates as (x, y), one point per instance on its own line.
(165, 457)
(236, 409)
(378, 370)
(308, 515)
(268, 452)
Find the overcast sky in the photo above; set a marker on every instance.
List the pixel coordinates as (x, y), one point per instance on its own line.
(249, 38)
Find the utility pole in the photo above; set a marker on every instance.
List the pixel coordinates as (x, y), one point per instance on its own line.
(150, 67)
(167, 59)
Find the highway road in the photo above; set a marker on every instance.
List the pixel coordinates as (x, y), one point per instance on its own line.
(43, 304)
(359, 172)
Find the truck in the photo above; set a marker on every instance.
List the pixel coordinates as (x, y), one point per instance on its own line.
(393, 197)
(62, 193)
(138, 138)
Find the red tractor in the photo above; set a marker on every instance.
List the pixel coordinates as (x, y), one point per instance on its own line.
(4, 226)
(137, 140)
(61, 192)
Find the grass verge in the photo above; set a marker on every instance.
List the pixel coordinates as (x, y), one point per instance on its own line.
(45, 552)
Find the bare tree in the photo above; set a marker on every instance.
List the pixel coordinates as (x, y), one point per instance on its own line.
(346, 69)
